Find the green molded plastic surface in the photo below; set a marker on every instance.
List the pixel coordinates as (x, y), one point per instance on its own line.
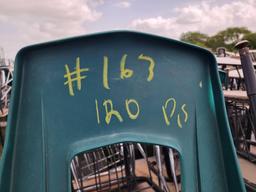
(223, 77)
(169, 94)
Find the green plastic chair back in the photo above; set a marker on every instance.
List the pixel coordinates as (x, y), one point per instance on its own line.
(223, 78)
(78, 94)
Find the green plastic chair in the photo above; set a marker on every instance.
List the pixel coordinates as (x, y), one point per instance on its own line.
(78, 94)
(223, 78)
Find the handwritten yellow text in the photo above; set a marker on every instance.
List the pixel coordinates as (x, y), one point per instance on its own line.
(130, 114)
(97, 111)
(124, 72)
(151, 65)
(164, 108)
(105, 72)
(75, 76)
(132, 108)
(77, 73)
(172, 112)
(110, 111)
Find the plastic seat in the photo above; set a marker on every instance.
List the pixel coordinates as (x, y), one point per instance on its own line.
(78, 94)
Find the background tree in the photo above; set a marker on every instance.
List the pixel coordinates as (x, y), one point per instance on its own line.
(252, 39)
(226, 38)
(196, 38)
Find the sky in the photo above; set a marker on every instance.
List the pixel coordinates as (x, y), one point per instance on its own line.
(26, 22)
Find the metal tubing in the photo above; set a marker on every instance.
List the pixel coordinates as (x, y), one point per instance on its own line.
(249, 75)
(171, 156)
(163, 183)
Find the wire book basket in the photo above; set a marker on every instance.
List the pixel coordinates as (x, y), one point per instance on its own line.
(126, 167)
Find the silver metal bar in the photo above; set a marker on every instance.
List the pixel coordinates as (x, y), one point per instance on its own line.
(171, 156)
(132, 162)
(141, 151)
(163, 184)
(75, 175)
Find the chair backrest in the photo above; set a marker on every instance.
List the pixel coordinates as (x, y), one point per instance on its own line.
(223, 78)
(78, 94)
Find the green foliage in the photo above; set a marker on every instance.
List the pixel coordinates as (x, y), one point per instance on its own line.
(252, 39)
(196, 38)
(226, 38)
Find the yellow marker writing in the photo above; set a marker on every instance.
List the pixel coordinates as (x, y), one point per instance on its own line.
(178, 121)
(127, 103)
(77, 73)
(124, 72)
(97, 111)
(186, 116)
(185, 112)
(105, 72)
(110, 112)
(151, 65)
(166, 118)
